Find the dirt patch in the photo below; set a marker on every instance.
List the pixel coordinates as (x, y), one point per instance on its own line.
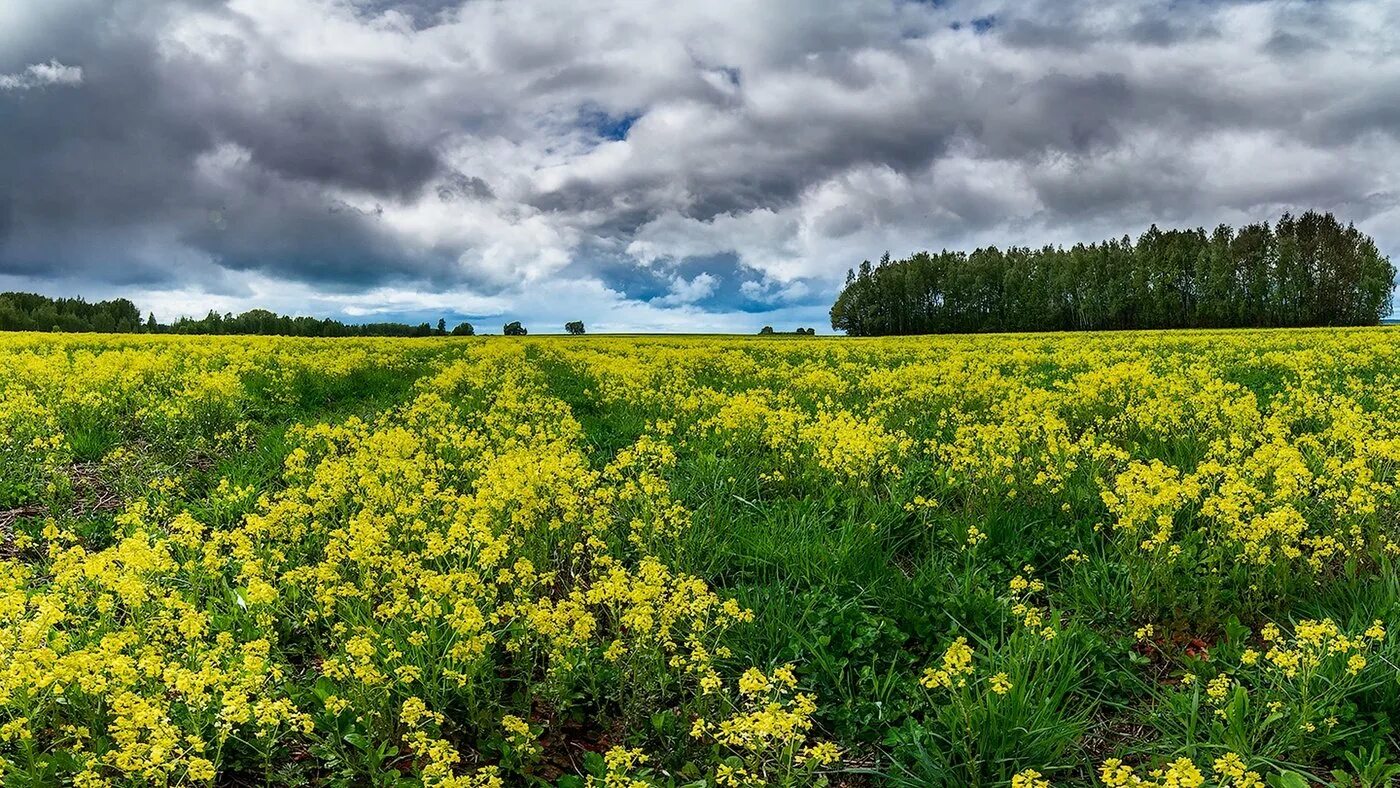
(8, 518)
(1108, 735)
(91, 493)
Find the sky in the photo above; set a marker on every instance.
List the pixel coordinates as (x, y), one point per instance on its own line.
(654, 166)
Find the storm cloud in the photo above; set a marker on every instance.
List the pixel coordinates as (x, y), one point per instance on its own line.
(647, 165)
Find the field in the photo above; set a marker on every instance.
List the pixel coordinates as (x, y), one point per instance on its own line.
(1119, 559)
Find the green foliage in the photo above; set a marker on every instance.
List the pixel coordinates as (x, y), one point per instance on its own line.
(263, 322)
(1307, 270)
(33, 312)
(1022, 706)
(1367, 769)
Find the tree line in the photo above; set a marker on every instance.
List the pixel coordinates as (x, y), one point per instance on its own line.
(34, 312)
(262, 321)
(1307, 270)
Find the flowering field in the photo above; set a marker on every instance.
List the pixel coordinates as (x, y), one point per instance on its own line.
(1118, 559)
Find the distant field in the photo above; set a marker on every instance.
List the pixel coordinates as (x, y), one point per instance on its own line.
(1118, 559)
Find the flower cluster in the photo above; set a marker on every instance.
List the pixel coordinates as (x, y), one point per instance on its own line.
(1228, 771)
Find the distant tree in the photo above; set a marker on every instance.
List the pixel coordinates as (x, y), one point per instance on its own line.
(442, 327)
(766, 330)
(463, 330)
(574, 327)
(514, 329)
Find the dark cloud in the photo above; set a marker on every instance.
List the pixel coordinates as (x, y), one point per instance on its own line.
(330, 143)
(459, 186)
(1288, 44)
(1024, 33)
(421, 14)
(726, 158)
(105, 179)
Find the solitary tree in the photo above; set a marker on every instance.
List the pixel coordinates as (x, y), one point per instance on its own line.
(514, 329)
(442, 326)
(574, 327)
(463, 330)
(766, 330)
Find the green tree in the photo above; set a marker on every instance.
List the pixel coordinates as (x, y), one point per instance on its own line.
(1306, 270)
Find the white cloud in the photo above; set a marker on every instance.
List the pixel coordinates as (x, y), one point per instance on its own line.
(41, 75)
(683, 291)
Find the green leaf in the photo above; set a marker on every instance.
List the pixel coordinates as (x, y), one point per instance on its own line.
(1288, 780)
(1235, 632)
(594, 764)
(663, 721)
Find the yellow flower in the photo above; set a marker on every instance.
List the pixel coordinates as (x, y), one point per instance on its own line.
(1229, 766)
(514, 726)
(1218, 688)
(822, 753)
(622, 760)
(1182, 772)
(785, 676)
(200, 770)
(957, 665)
(753, 682)
(1114, 773)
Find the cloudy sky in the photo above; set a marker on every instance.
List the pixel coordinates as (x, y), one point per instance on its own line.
(639, 165)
